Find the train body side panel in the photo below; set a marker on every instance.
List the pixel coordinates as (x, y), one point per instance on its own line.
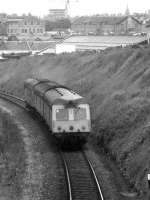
(48, 115)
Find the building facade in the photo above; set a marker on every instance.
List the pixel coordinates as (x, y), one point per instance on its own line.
(107, 25)
(56, 14)
(27, 26)
(128, 25)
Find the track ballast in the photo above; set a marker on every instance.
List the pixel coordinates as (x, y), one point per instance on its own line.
(80, 177)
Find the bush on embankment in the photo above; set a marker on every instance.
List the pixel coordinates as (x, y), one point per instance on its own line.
(117, 85)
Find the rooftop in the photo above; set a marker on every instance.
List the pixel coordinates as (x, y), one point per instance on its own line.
(105, 20)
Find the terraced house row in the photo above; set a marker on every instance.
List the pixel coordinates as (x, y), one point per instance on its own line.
(108, 25)
(31, 26)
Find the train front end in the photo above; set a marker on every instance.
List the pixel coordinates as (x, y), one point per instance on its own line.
(71, 123)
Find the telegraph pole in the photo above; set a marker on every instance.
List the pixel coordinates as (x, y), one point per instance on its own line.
(148, 181)
(148, 37)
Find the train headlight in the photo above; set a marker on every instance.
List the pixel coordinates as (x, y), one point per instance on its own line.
(59, 128)
(71, 128)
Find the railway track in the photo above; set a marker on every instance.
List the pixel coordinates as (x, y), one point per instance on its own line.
(81, 179)
(14, 99)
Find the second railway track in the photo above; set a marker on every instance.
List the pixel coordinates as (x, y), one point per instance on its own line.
(14, 99)
(80, 177)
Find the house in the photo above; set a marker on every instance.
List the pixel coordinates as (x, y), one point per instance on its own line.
(128, 24)
(25, 26)
(106, 25)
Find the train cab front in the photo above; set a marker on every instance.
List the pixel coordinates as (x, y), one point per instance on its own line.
(71, 123)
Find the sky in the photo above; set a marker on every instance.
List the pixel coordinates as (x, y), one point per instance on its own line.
(77, 7)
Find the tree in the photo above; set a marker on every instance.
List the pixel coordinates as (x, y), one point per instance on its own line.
(58, 24)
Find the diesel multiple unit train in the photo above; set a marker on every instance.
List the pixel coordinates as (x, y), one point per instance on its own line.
(66, 113)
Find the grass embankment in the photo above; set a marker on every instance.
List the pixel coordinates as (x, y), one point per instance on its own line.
(12, 157)
(116, 83)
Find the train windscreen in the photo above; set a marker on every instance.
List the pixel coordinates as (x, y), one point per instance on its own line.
(79, 113)
(62, 115)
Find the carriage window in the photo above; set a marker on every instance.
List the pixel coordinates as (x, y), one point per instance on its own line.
(62, 114)
(79, 114)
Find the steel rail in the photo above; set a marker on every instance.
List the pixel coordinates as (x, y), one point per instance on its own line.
(95, 176)
(13, 99)
(67, 176)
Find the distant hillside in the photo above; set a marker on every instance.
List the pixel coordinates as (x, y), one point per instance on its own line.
(117, 85)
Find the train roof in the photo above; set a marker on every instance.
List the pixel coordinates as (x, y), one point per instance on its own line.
(53, 92)
(29, 83)
(62, 95)
(52, 97)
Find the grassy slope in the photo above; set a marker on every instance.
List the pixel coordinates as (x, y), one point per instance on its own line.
(116, 84)
(13, 157)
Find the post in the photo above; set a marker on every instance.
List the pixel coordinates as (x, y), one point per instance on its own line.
(148, 190)
(148, 179)
(148, 37)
